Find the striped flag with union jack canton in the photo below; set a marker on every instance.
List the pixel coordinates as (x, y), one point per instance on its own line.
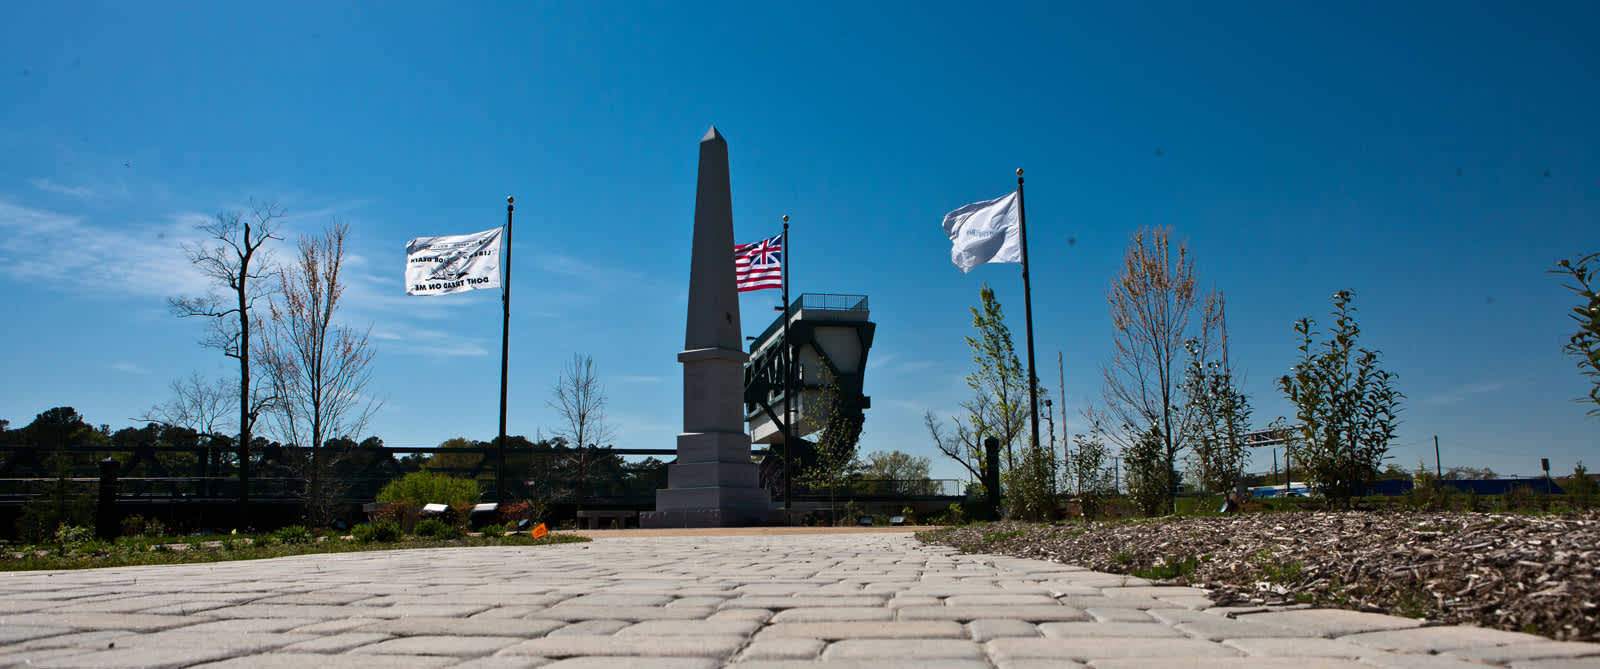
(759, 265)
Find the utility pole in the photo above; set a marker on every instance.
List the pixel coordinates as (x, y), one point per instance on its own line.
(1066, 434)
(1439, 469)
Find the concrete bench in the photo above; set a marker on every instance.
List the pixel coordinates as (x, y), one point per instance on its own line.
(619, 518)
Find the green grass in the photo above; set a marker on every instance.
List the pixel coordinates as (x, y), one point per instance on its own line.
(154, 551)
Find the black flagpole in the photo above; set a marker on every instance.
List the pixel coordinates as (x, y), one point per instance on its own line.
(1027, 307)
(788, 378)
(505, 345)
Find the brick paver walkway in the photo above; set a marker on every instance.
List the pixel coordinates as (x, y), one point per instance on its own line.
(860, 600)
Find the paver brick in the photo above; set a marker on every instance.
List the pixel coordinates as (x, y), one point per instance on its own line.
(902, 649)
(1232, 663)
(647, 646)
(1114, 615)
(809, 601)
(18, 633)
(928, 629)
(337, 643)
(1001, 600)
(969, 613)
(783, 648)
(141, 658)
(456, 646)
(691, 628)
(511, 627)
(1436, 639)
(1089, 649)
(998, 628)
(138, 622)
(1537, 650)
(634, 613)
(1298, 647)
(316, 661)
(1074, 630)
(1217, 628)
(1331, 622)
(591, 628)
(941, 663)
(504, 662)
(833, 614)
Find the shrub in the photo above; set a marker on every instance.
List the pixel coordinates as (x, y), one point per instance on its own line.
(493, 530)
(139, 526)
(433, 528)
(383, 531)
(425, 487)
(293, 534)
(1031, 486)
(1581, 490)
(68, 535)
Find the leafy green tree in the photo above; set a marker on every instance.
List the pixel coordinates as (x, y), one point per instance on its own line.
(1585, 343)
(999, 404)
(1221, 413)
(898, 473)
(1464, 473)
(834, 459)
(465, 463)
(1347, 406)
(424, 487)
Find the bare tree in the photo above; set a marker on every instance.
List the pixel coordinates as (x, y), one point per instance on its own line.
(317, 369)
(962, 445)
(206, 407)
(1152, 301)
(581, 402)
(233, 258)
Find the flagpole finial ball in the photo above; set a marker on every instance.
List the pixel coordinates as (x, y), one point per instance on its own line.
(510, 200)
(1019, 171)
(785, 218)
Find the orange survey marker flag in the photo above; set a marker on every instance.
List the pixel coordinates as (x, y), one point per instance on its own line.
(540, 531)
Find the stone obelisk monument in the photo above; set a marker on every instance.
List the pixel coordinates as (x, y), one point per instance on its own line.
(713, 483)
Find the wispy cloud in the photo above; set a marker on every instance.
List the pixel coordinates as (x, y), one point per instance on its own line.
(129, 368)
(1464, 392)
(639, 379)
(403, 338)
(65, 251)
(48, 186)
(908, 405)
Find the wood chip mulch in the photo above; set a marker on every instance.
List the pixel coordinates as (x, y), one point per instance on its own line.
(1514, 572)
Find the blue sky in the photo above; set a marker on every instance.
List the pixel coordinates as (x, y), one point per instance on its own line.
(1401, 152)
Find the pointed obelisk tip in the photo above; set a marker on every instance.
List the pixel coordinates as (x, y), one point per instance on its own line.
(712, 135)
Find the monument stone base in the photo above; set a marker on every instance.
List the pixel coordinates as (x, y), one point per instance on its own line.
(713, 484)
(711, 518)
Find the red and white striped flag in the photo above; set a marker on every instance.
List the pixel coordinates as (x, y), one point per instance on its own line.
(759, 265)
